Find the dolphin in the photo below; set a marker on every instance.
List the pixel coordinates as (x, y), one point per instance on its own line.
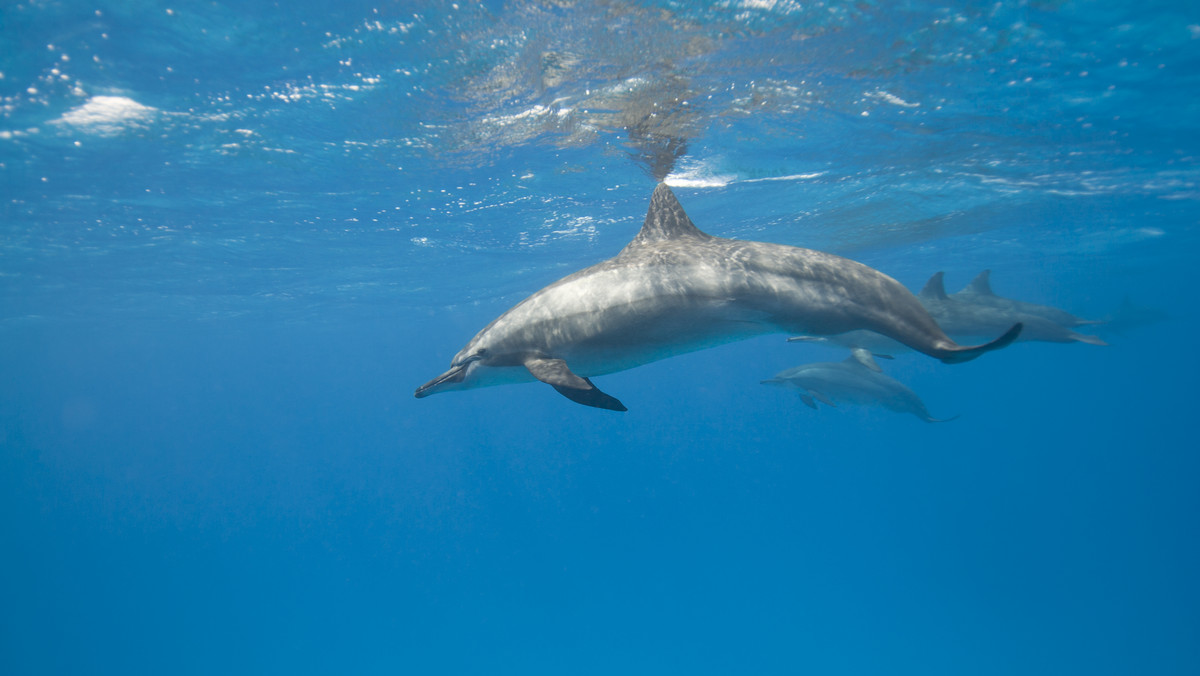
(857, 380)
(1130, 316)
(963, 315)
(979, 292)
(972, 313)
(675, 289)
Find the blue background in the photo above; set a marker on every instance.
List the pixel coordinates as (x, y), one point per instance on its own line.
(220, 286)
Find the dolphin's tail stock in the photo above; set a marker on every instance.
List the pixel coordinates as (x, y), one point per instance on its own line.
(957, 354)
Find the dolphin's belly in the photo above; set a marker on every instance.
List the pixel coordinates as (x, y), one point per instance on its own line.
(842, 384)
(641, 338)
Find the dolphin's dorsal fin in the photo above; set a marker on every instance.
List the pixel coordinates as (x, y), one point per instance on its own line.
(935, 287)
(863, 358)
(666, 220)
(981, 285)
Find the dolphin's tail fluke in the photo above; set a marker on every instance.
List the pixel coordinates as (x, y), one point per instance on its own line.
(958, 354)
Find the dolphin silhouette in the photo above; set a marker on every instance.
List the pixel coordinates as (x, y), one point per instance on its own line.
(675, 289)
(856, 380)
(1130, 316)
(979, 292)
(976, 313)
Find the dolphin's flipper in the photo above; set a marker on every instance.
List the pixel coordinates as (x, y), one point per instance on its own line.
(961, 354)
(928, 418)
(591, 397)
(821, 397)
(808, 401)
(557, 374)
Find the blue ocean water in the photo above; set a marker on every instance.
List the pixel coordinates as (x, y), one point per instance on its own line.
(236, 236)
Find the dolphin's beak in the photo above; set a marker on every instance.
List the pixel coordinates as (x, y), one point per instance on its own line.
(454, 375)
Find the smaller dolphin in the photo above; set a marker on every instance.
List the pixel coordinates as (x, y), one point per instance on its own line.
(857, 380)
(963, 315)
(979, 292)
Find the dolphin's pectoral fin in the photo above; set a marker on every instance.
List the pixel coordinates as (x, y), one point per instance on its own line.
(557, 374)
(823, 398)
(591, 397)
(808, 401)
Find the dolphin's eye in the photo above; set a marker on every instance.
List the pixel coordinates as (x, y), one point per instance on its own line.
(479, 354)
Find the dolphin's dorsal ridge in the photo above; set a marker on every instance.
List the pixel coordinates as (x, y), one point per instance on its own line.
(935, 287)
(863, 357)
(666, 220)
(981, 285)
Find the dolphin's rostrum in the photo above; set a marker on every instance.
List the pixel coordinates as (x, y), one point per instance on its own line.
(675, 289)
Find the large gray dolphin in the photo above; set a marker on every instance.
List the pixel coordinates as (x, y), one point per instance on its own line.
(674, 289)
(857, 380)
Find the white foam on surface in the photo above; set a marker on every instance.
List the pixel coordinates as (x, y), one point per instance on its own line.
(107, 115)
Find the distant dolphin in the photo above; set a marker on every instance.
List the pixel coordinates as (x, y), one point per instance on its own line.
(979, 292)
(978, 314)
(857, 380)
(674, 289)
(1130, 316)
